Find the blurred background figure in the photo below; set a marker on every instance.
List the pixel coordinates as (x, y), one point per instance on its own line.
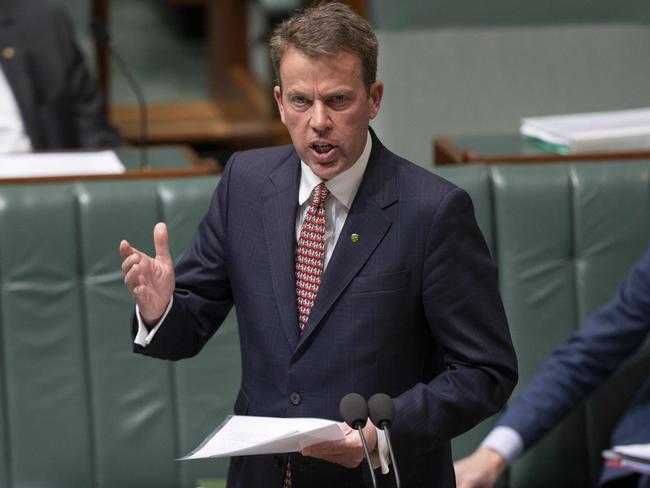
(573, 371)
(48, 99)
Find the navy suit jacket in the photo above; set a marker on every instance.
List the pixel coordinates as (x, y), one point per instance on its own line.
(610, 336)
(60, 103)
(411, 309)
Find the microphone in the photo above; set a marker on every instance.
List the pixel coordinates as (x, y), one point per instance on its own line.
(382, 411)
(102, 37)
(354, 410)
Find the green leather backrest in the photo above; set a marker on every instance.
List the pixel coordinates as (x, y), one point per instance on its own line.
(77, 407)
(565, 237)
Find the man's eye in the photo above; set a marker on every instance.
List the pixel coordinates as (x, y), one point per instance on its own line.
(338, 100)
(300, 101)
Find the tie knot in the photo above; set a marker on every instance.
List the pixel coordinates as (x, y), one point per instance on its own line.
(320, 194)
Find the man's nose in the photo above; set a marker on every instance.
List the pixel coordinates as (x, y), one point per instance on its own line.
(320, 118)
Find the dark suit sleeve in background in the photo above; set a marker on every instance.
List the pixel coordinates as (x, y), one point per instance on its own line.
(608, 338)
(60, 101)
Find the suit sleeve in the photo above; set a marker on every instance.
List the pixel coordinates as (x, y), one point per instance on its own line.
(609, 337)
(202, 297)
(464, 312)
(86, 104)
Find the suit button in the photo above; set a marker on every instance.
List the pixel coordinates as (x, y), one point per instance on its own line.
(295, 398)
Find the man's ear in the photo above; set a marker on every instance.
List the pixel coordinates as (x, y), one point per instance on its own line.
(277, 94)
(375, 96)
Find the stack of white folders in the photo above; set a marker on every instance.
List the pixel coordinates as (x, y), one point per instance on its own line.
(623, 130)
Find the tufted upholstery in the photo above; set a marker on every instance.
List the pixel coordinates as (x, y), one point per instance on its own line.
(78, 409)
(564, 237)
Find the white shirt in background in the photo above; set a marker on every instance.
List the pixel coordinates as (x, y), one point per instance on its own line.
(13, 136)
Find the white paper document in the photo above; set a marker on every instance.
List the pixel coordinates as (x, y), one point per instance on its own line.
(244, 435)
(631, 457)
(640, 452)
(30, 165)
(621, 130)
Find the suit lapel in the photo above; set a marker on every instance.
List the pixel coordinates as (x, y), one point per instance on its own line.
(280, 203)
(368, 220)
(16, 70)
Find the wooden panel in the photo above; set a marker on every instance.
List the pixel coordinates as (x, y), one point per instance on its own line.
(446, 152)
(231, 121)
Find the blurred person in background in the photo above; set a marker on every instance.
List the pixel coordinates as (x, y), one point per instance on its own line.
(48, 99)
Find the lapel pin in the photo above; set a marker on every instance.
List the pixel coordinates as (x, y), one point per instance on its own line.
(8, 52)
(354, 237)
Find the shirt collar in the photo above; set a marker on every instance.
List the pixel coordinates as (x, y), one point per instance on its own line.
(343, 186)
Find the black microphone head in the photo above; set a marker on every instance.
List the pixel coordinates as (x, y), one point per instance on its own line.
(354, 410)
(382, 410)
(99, 31)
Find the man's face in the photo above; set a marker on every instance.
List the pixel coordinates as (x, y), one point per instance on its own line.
(325, 105)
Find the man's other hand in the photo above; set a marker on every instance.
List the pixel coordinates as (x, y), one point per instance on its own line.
(481, 469)
(348, 451)
(150, 280)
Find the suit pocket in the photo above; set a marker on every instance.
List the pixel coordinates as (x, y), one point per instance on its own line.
(380, 282)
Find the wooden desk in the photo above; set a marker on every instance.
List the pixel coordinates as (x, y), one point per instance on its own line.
(164, 162)
(510, 149)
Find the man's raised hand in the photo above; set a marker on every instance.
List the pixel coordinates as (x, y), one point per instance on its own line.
(150, 280)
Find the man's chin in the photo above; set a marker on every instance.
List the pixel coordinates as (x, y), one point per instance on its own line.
(325, 170)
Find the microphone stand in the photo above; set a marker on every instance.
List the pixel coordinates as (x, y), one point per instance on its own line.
(365, 450)
(102, 36)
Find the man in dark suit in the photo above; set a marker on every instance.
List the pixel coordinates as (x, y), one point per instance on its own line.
(609, 337)
(351, 269)
(59, 104)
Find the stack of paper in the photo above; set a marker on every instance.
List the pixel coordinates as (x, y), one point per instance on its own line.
(31, 165)
(245, 435)
(624, 130)
(633, 457)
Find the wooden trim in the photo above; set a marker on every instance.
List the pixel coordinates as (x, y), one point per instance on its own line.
(227, 43)
(200, 167)
(474, 157)
(208, 121)
(129, 175)
(445, 153)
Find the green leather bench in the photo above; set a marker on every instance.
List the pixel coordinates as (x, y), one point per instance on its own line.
(79, 409)
(565, 237)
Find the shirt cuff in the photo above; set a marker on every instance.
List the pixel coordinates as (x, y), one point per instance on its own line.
(506, 441)
(379, 457)
(145, 336)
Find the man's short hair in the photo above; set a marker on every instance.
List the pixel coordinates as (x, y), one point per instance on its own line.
(325, 31)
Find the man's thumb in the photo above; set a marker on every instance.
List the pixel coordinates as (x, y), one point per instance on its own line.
(161, 242)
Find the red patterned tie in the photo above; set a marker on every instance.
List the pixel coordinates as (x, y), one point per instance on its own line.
(310, 257)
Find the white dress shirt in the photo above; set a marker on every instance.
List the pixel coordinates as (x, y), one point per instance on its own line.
(342, 190)
(506, 441)
(13, 136)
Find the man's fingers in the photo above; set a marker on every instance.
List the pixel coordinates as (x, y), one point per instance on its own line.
(126, 249)
(133, 278)
(130, 261)
(345, 452)
(325, 448)
(161, 243)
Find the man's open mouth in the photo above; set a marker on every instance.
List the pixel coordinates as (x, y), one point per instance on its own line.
(322, 148)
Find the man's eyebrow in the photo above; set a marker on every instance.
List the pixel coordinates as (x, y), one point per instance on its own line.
(295, 91)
